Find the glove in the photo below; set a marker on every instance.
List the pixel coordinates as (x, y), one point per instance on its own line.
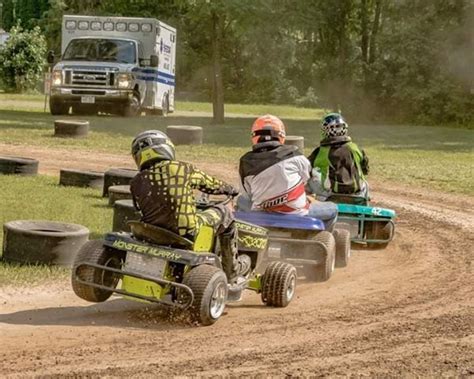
(232, 191)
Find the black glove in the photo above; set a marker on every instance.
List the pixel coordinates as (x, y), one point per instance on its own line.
(232, 191)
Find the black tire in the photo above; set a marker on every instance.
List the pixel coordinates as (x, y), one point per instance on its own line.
(324, 271)
(79, 178)
(57, 107)
(204, 281)
(95, 252)
(380, 230)
(121, 192)
(42, 242)
(185, 134)
(18, 166)
(71, 128)
(296, 141)
(278, 284)
(343, 247)
(132, 107)
(117, 176)
(124, 211)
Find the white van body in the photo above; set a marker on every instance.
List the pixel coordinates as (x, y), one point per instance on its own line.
(106, 66)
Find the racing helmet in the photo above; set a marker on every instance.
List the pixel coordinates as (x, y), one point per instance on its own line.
(268, 130)
(152, 146)
(333, 125)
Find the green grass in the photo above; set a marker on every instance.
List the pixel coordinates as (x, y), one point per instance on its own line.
(439, 157)
(35, 103)
(41, 198)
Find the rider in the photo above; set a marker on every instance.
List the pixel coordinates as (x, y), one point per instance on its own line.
(273, 175)
(338, 165)
(163, 192)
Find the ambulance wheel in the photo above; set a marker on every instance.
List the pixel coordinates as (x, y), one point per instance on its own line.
(57, 107)
(278, 284)
(132, 108)
(343, 247)
(323, 271)
(95, 252)
(165, 106)
(209, 286)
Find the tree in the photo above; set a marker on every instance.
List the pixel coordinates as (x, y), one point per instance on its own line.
(22, 59)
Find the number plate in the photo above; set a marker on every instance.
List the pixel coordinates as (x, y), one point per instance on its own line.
(143, 264)
(88, 99)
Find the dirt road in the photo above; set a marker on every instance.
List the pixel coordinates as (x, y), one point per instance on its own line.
(406, 310)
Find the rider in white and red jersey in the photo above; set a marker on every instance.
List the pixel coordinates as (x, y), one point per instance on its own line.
(273, 175)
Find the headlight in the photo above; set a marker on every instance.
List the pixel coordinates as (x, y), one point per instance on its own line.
(57, 78)
(124, 80)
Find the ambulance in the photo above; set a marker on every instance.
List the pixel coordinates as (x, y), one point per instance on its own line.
(119, 65)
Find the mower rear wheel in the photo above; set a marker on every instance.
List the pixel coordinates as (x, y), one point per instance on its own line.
(343, 246)
(96, 253)
(209, 286)
(278, 284)
(323, 272)
(379, 230)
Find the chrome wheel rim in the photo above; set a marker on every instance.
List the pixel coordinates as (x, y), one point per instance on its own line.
(218, 298)
(290, 290)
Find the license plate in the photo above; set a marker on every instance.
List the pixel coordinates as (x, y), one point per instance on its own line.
(143, 264)
(88, 99)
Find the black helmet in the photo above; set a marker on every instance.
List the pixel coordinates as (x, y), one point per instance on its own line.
(151, 146)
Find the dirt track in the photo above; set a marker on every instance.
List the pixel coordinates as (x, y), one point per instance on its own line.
(406, 310)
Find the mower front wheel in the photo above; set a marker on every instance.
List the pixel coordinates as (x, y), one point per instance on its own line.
(96, 253)
(379, 230)
(324, 271)
(278, 284)
(343, 247)
(209, 286)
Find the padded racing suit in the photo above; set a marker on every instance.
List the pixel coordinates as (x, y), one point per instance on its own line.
(164, 194)
(273, 179)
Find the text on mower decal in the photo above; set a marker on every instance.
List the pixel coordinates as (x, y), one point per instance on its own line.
(146, 250)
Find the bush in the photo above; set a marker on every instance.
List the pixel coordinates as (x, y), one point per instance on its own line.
(22, 59)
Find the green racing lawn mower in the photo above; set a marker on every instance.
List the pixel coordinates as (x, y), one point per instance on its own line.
(154, 265)
(373, 227)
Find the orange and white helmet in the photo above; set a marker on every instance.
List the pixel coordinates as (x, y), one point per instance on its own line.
(268, 130)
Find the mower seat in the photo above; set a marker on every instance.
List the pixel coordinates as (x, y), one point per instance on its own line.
(280, 221)
(157, 235)
(348, 199)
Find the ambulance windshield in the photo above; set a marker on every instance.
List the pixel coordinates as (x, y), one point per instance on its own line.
(106, 50)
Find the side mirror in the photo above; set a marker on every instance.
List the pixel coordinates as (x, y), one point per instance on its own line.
(154, 61)
(50, 57)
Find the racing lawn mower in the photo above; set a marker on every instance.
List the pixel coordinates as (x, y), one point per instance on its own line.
(303, 242)
(371, 226)
(155, 265)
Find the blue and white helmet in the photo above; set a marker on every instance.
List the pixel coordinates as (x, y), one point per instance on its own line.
(334, 125)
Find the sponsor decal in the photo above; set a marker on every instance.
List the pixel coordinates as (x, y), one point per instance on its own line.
(251, 228)
(157, 252)
(253, 242)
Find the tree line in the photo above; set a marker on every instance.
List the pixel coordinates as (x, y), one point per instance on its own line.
(390, 60)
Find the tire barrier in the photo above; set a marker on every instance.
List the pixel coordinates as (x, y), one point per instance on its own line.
(117, 176)
(42, 242)
(119, 193)
(185, 134)
(71, 128)
(124, 211)
(18, 166)
(78, 178)
(295, 140)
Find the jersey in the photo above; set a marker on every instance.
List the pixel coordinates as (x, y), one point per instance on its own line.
(341, 163)
(164, 194)
(274, 179)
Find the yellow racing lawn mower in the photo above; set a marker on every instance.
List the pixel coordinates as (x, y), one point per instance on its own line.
(154, 265)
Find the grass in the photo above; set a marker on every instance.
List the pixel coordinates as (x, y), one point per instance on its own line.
(35, 103)
(41, 198)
